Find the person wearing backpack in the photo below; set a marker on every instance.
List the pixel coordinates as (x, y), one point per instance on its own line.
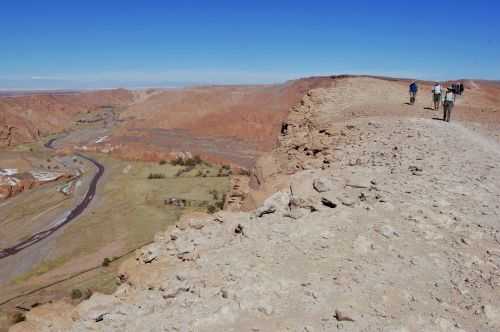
(448, 103)
(413, 92)
(436, 95)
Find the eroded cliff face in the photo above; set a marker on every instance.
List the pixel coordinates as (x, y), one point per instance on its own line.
(26, 118)
(375, 217)
(224, 124)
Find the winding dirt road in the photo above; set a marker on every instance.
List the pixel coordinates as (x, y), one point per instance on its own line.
(73, 214)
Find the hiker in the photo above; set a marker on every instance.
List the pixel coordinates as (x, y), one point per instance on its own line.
(413, 92)
(449, 101)
(284, 128)
(462, 88)
(436, 95)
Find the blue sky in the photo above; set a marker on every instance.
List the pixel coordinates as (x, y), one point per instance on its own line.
(69, 44)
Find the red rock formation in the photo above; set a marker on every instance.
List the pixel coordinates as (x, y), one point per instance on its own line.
(25, 118)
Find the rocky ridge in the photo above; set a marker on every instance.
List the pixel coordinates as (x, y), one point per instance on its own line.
(384, 224)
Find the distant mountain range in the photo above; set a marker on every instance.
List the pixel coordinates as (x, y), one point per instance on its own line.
(38, 84)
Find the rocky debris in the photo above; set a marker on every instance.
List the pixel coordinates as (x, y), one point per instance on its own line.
(57, 316)
(387, 231)
(276, 203)
(323, 184)
(197, 223)
(239, 229)
(415, 170)
(347, 199)
(492, 314)
(178, 202)
(328, 202)
(240, 186)
(303, 197)
(341, 317)
(150, 253)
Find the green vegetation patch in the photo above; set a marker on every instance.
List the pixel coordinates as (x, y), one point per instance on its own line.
(130, 206)
(42, 268)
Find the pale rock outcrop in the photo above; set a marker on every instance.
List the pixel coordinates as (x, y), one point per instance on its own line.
(278, 202)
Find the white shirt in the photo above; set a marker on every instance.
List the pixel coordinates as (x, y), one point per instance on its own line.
(436, 89)
(450, 96)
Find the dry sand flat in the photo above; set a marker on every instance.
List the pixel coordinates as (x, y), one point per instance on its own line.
(390, 223)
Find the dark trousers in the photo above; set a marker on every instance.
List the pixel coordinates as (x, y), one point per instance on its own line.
(447, 108)
(413, 95)
(437, 100)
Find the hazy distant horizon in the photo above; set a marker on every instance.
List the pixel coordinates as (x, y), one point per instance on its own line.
(82, 86)
(69, 86)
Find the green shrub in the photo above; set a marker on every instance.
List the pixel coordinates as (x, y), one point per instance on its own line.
(156, 176)
(106, 261)
(211, 209)
(177, 162)
(215, 194)
(196, 160)
(184, 170)
(162, 162)
(18, 317)
(219, 205)
(76, 294)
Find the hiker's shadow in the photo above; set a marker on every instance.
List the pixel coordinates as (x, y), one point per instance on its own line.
(439, 119)
(407, 103)
(429, 108)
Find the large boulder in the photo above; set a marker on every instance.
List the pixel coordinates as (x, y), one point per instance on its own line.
(323, 184)
(278, 202)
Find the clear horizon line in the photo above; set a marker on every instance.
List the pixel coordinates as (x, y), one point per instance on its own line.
(194, 84)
